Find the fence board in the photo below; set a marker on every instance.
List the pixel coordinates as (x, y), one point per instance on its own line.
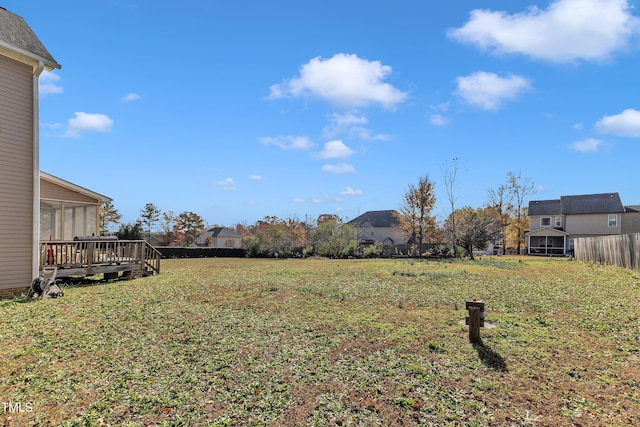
(618, 250)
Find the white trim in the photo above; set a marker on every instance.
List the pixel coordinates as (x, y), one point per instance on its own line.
(27, 57)
(35, 245)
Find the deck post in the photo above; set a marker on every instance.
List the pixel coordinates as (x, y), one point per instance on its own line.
(90, 248)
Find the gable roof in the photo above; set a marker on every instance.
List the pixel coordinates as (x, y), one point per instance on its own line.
(376, 219)
(74, 187)
(544, 207)
(581, 204)
(19, 42)
(591, 203)
(222, 232)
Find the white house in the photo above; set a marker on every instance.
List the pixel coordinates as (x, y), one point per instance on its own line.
(380, 226)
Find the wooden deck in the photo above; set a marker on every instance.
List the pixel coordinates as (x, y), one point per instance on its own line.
(88, 258)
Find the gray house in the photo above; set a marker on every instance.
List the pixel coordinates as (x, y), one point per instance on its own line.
(219, 237)
(22, 59)
(554, 224)
(380, 226)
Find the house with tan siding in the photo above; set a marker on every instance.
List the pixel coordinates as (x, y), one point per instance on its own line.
(22, 59)
(554, 224)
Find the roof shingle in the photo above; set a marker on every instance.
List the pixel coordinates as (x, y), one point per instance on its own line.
(18, 36)
(574, 205)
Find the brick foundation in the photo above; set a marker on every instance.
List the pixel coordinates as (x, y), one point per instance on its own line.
(13, 292)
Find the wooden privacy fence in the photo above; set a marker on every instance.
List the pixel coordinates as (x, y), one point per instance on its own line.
(621, 250)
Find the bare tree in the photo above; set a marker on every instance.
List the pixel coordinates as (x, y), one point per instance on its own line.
(169, 228)
(415, 211)
(450, 181)
(519, 188)
(476, 228)
(500, 200)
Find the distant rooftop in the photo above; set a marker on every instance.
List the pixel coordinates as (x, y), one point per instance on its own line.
(376, 219)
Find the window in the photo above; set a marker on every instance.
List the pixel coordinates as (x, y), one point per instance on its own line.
(558, 221)
(545, 221)
(613, 220)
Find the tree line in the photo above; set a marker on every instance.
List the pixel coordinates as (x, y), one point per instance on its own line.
(177, 230)
(501, 222)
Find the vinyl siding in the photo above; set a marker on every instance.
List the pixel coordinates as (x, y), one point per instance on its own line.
(380, 234)
(590, 225)
(51, 191)
(630, 222)
(16, 174)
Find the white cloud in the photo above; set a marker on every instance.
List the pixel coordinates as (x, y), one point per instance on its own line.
(589, 145)
(255, 177)
(130, 97)
(366, 135)
(335, 150)
(343, 80)
(298, 200)
(86, 122)
(319, 199)
(48, 84)
(488, 90)
(441, 107)
(339, 169)
(52, 126)
(351, 125)
(567, 30)
(288, 142)
(439, 120)
(342, 123)
(227, 184)
(626, 123)
(351, 192)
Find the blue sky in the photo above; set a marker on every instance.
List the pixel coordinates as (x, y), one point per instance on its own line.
(240, 109)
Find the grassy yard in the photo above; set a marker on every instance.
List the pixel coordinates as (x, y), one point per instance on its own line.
(235, 342)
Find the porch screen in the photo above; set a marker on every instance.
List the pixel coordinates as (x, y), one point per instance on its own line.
(66, 220)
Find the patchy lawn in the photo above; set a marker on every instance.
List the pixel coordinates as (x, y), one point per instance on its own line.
(232, 342)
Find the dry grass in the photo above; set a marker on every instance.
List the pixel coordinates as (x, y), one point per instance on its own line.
(320, 342)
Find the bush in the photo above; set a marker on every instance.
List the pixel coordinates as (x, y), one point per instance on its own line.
(130, 231)
(372, 251)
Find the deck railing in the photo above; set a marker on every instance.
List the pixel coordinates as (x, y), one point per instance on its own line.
(546, 250)
(93, 257)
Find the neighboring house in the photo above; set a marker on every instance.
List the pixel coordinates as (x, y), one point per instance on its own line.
(219, 237)
(22, 58)
(380, 226)
(554, 224)
(68, 210)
